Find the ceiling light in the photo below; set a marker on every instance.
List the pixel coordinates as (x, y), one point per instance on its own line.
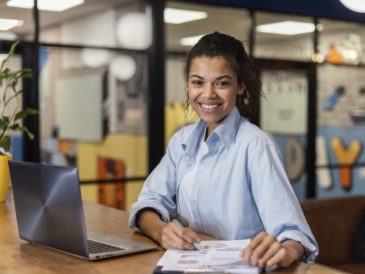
(6, 24)
(179, 16)
(286, 28)
(191, 40)
(49, 5)
(354, 5)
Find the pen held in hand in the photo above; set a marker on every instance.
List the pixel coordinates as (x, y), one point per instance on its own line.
(194, 243)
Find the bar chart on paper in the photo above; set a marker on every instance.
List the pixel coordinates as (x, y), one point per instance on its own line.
(215, 256)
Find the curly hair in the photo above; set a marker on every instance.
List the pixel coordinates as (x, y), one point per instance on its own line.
(219, 44)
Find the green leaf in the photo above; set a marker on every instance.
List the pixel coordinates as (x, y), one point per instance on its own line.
(24, 113)
(10, 54)
(14, 126)
(4, 121)
(26, 131)
(5, 143)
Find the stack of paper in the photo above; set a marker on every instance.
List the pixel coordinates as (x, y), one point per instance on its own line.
(215, 255)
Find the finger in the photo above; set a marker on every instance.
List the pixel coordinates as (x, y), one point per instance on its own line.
(278, 259)
(190, 236)
(246, 253)
(264, 246)
(271, 251)
(172, 239)
(257, 239)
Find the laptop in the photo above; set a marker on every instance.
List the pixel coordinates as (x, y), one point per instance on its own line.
(49, 212)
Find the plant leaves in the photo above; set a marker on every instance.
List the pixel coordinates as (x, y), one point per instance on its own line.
(10, 54)
(26, 131)
(5, 143)
(24, 113)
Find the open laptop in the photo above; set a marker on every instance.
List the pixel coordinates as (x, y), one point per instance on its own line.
(49, 212)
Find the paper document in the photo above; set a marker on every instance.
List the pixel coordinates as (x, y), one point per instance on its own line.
(215, 255)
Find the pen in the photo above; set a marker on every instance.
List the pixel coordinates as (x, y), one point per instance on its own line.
(194, 243)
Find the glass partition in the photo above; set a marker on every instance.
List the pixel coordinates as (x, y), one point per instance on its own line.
(342, 42)
(282, 36)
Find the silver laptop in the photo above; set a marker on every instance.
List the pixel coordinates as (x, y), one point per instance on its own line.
(49, 212)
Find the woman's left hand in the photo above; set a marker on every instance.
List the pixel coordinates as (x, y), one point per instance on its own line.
(265, 252)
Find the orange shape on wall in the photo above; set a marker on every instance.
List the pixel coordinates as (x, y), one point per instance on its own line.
(111, 194)
(346, 157)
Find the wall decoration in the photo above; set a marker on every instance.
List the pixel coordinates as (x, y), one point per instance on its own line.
(111, 194)
(331, 101)
(134, 30)
(295, 159)
(323, 172)
(334, 56)
(79, 98)
(127, 97)
(284, 108)
(358, 113)
(123, 67)
(347, 157)
(341, 102)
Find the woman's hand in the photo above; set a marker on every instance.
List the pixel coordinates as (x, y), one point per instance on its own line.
(174, 236)
(265, 252)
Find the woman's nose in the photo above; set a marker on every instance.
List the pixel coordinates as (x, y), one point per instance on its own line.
(209, 92)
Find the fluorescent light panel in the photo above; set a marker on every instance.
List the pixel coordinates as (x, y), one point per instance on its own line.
(191, 40)
(286, 28)
(49, 5)
(354, 5)
(6, 24)
(179, 16)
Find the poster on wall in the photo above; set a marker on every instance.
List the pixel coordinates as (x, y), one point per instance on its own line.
(127, 102)
(284, 107)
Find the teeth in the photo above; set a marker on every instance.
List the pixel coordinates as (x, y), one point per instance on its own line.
(209, 107)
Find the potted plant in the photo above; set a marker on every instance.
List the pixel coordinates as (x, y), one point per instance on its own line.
(11, 114)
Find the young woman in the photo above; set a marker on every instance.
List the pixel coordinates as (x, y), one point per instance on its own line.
(223, 177)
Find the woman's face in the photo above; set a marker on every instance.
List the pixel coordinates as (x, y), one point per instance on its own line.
(213, 89)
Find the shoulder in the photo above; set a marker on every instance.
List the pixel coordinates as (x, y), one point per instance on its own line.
(178, 140)
(250, 134)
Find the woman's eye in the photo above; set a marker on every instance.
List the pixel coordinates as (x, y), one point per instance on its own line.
(222, 83)
(197, 82)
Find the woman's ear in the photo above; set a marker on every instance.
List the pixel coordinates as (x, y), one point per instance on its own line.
(241, 89)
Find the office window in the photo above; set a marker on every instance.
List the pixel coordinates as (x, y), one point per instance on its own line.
(17, 23)
(342, 42)
(286, 37)
(107, 23)
(181, 36)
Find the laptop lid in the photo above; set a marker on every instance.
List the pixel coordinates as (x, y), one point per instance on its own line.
(48, 206)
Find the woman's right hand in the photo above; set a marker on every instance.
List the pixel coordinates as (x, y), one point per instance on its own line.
(176, 237)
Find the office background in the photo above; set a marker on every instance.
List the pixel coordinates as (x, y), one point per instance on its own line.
(108, 81)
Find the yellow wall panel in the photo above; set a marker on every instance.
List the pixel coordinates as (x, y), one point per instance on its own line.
(132, 149)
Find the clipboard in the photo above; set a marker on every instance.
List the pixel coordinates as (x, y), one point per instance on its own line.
(158, 270)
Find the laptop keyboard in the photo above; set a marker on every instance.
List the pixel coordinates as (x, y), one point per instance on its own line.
(97, 247)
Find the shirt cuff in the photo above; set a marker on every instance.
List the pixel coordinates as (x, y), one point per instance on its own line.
(310, 248)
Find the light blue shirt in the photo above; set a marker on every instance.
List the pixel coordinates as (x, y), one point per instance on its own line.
(240, 189)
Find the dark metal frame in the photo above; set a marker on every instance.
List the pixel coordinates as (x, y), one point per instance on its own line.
(156, 98)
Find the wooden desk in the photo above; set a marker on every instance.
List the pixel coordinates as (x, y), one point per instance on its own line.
(17, 256)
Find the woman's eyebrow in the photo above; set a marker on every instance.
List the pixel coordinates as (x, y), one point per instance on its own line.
(197, 76)
(223, 76)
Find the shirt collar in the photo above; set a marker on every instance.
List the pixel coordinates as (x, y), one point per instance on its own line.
(226, 132)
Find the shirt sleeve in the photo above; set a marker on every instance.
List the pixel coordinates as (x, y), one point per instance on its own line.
(159, 189)
(275, 199)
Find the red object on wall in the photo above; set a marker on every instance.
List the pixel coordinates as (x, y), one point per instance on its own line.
(111, 194)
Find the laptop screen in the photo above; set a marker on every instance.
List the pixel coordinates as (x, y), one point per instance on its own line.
(48, 206)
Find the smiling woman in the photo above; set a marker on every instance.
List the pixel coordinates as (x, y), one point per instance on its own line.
(223, 177)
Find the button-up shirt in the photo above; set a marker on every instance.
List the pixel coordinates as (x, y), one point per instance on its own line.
(240, 187)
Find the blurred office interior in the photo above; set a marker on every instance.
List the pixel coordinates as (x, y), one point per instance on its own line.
(108, 83)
